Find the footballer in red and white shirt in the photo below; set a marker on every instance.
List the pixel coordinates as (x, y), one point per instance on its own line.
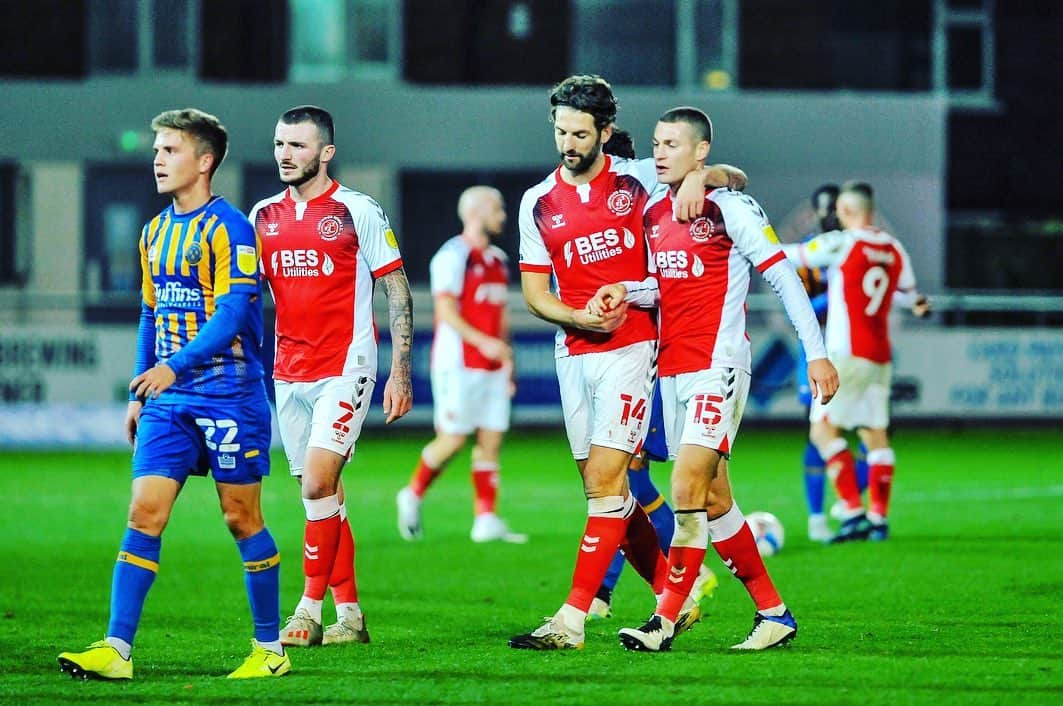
(472, 365)
(869, 271)
(701, 283)
(324, 247)
(579, 229)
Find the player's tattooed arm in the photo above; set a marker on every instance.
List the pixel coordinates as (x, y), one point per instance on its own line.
(398, 391)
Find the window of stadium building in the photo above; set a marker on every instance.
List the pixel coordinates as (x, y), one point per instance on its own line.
(331, 39)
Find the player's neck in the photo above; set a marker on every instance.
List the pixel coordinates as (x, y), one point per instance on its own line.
(475, 238)
(586, 177)
(674, 188)
(311, 189)
(192, 198)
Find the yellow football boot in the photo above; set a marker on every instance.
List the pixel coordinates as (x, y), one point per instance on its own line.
(262, 663)
(99, 661)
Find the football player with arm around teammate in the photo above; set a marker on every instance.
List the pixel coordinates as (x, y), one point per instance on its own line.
(471, 367)
(581, 226)
(700, 284)
(654, 448)
(325, 247)
(869, 270)
(198, 402)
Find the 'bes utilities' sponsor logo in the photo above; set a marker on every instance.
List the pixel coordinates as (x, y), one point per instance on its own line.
(300, 262)
(598, 246)
(678, 264)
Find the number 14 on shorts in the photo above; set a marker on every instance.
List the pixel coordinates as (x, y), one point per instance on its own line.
(632, 409)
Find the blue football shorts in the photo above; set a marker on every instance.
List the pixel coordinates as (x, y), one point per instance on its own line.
(181, 435)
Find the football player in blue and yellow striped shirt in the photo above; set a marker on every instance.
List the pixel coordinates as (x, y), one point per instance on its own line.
(198, 401)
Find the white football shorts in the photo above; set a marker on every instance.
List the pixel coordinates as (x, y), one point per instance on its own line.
(324, 414)
(466, 399)
(863, 397)
(704, 408)
(606, 397)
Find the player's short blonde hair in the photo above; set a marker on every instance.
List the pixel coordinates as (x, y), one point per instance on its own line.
(205, 130)
(858, 196)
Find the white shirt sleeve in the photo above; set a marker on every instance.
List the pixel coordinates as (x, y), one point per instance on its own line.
(446, 271)
(906, 280)
(533, 250)
(749, 228)
(376, 240)
(645, 294)
(824, 250)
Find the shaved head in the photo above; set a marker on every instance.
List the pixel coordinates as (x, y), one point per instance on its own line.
(481, 208)
(855, 204)
(475, 199)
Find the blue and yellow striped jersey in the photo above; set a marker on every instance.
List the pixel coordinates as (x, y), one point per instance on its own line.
(188, 261)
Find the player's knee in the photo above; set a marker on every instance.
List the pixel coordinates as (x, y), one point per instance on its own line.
(688, 497)
(599, 483)
(485, 453)
(719, 502)
(148, 518)
(243, 521)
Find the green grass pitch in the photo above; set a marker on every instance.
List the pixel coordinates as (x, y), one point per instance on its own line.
(960, 606)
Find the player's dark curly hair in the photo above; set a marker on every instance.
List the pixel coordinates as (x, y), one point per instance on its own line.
(205, 129)
(586, 93)
(312, 114)
(620, 144)
(693, 117)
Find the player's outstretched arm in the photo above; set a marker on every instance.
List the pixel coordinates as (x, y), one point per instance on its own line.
(398, 391)
(542, 303)
(914, 300)
(921, 307)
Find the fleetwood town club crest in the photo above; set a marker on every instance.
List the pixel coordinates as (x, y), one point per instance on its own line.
(701, 229)
(329, 227)
(620, 202)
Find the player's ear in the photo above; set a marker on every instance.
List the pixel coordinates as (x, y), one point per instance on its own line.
(206, 163)
(328, 153)
(607, 132)
(702, 150)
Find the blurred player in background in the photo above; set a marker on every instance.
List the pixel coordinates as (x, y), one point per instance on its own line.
(472, 365)
(198, 402)
(582, 226)
(701, 282)
(654, 448)
(324, 248)
(869, 269)
(824, 204)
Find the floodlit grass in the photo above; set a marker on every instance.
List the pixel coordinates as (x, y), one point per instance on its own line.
(960, 606)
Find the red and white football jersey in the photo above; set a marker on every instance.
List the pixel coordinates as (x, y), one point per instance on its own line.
(478, 280)
(587, 236)
(702, 269)
(867, 267)
(320, 258)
